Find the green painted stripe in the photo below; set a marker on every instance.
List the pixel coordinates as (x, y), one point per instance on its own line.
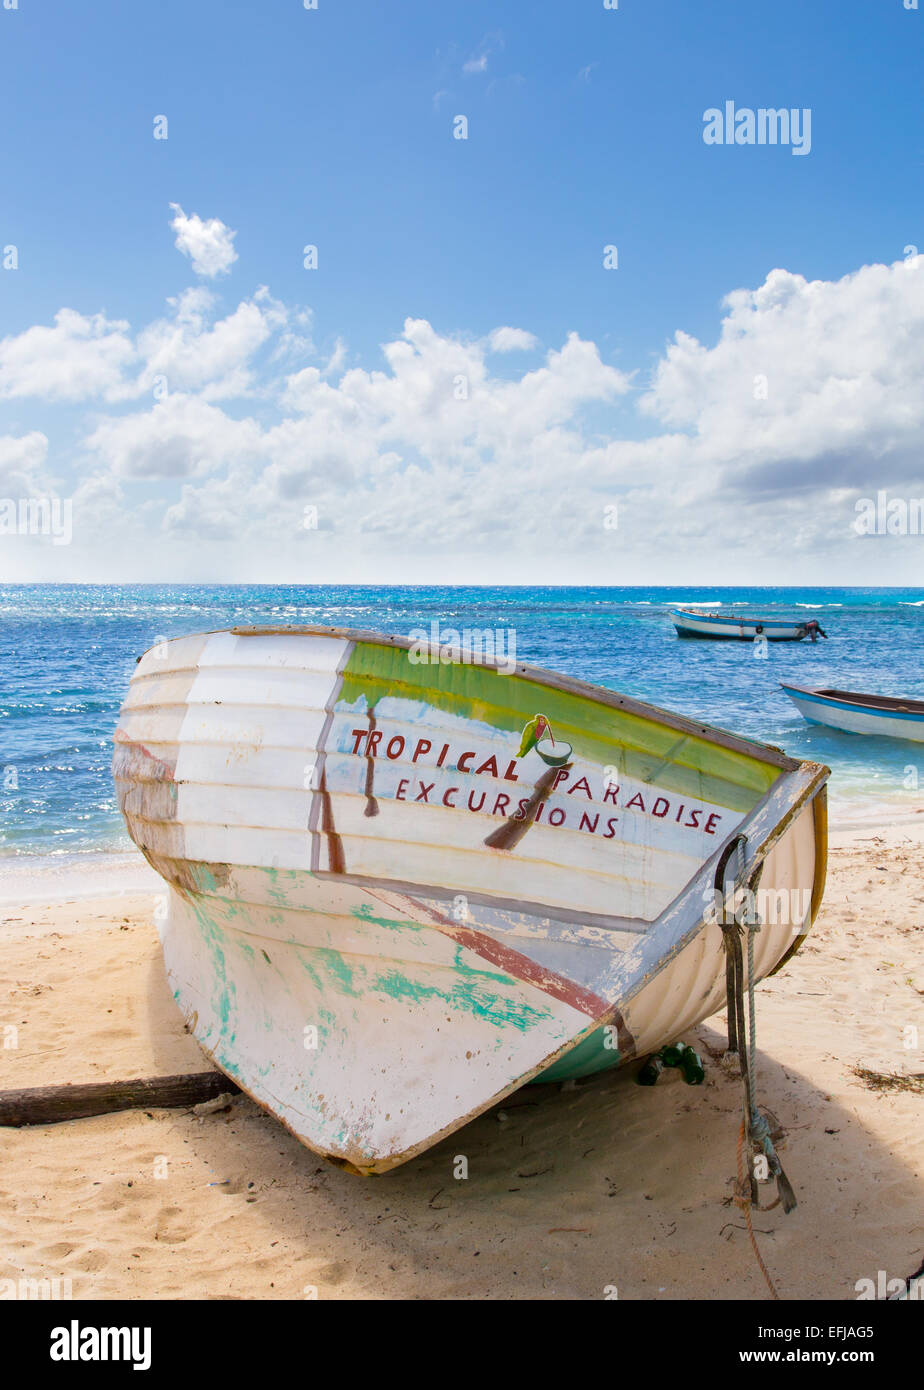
(641, 748)
(591, 1055)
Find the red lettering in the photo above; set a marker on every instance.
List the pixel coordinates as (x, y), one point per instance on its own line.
(679, 813)
(636, 800)
(446, 795)
(374, 740)
(357, 735)
(582, 782)
(609, 793)
(424, 789)
(402, 787)
(711, 823)
(520, 812)
(610, 832)
(591, 825)
(461, 764)
(660, 802)
(560, 776)
(510, 775)
(557, 812)
(443, 751)
(505, 800)
(490, 765)
(481, 802)
(693, 822)
(391, 744)
(423, 746)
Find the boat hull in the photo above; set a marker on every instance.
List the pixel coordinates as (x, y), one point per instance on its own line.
(371, 1028)
(855, 719)
(733, 629)
(380, 919)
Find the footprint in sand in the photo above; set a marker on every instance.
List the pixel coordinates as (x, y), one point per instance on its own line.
(337, 1272)
(171, 1227)
(59, 1251)
(91, 1261)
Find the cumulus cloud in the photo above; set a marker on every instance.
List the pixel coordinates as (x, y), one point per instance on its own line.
(191, 353)
(209, 245)
(21, 461)
(83, 358)
(80, 356)
(512, 340)
(811, 384)
(179, 436)
(757, 443)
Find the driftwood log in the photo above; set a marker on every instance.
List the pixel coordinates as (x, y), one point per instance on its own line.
(47, 1105)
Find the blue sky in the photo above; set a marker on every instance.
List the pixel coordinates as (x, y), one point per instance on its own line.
(334, 127)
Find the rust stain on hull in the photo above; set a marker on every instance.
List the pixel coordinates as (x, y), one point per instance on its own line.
(372, 806)
(508, 835)
(334, 842)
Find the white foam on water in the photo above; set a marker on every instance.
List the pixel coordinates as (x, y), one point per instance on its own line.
(53, 877)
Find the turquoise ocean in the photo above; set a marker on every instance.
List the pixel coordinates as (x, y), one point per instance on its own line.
(67, 653)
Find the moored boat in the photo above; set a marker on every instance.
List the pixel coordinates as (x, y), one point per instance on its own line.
(396, 893)
(743, 628)
(857, 713)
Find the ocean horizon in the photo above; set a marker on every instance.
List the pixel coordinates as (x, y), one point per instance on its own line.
(67, 653)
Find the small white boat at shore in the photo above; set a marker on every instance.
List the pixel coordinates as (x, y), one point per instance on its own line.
(855, 713)
(396, 893)
(743, 628)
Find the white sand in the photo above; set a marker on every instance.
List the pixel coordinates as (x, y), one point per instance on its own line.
(569, 1191)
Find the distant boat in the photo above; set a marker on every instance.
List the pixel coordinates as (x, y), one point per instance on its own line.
(396, 893)
(860, 714)
(744, 629)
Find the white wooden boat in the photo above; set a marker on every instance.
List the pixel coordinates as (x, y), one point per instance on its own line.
(743, 628)
(390, 900)
(860, 714)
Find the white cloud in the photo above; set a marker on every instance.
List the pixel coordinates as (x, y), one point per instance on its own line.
(478, 62)
(209, 245)
(80, 356)
(177, 437)
(193, 354)
(432, 459)
(840, 365)
(512, 340)
(21, 458)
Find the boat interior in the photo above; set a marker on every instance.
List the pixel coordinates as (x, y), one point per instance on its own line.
(886, 702)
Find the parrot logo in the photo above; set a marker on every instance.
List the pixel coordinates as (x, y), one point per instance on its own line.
(539, 731)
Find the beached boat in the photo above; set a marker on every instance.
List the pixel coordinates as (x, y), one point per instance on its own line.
(742, 628)
(396, 892)
(856, 713)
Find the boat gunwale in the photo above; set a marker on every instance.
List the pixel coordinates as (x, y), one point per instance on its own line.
(890, 705)
(555, 680)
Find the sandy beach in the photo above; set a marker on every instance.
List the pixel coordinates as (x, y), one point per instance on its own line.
(570, 1191)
